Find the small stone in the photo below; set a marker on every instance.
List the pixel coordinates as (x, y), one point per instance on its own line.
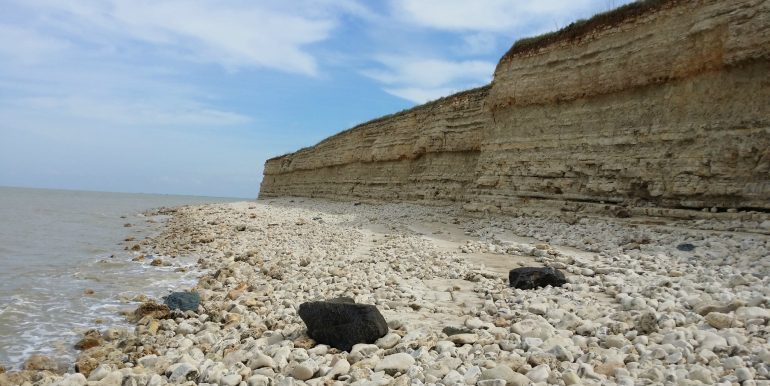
(259, 380)
(570, 378)
(505, 373)
(114, 378)
(712, 341)
(685, 247)
(156, 380)
(453, 378)
(763, 355)
(153, 326)
(472, 375)
(616, 341)
(537, 327)
(148, 361)
(702, 374)
(538, 309)
(474, 323)
(748, 313)
(182, 372)
(732, 362)
(648, 323)
(719, 320)
(395, 363)
(238, 291)
(539, 373)
(88, 342)
(339, 366)
(388, 341)
(530, 343)
(445, 346)
(608, 368)
(362, 351)
(305, 370)
(76, 379)
(674, 357)
(538, 358)
(561, 353)
(38, 362)
(461, 339)
(230, 380)
(185, 328)
(744, 374)
(100, 373)
(653, 374)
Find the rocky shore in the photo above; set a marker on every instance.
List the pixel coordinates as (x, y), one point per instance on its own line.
(646, 300)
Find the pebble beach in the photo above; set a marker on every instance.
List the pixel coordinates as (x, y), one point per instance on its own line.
(647, 301)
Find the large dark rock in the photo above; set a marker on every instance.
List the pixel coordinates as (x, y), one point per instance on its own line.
(183, 301)
(535, 277)
(341, 323)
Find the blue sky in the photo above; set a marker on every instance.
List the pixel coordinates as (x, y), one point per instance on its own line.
(191, 96)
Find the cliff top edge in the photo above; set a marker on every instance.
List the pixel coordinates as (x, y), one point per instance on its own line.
(581, 28)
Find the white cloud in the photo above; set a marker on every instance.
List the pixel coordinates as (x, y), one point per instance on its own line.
(235, 35)
(420, 80)
(477, 44)
(489, 15)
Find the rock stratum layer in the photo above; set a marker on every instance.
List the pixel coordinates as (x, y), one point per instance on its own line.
(663, 107)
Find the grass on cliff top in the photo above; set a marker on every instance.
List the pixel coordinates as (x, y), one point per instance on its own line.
(582, 27)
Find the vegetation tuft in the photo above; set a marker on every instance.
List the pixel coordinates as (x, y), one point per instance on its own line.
(582, 27)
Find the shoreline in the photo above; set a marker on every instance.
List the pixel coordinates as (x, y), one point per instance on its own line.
(106, 280)
(635, 308)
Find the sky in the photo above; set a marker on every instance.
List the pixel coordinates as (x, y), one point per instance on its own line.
(192, 96)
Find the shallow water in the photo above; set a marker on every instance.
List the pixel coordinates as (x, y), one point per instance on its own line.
(55, 244)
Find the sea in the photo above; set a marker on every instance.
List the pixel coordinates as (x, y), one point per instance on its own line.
(64, 269)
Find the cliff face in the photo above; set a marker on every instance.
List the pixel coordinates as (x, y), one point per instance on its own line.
(426, 153)
(666, 108)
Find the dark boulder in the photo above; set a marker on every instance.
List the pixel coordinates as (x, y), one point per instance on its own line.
(535, 277)
(183, 301)
(685, 247)
(341, 323)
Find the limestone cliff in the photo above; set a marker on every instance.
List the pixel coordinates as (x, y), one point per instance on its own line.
(662, 104)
